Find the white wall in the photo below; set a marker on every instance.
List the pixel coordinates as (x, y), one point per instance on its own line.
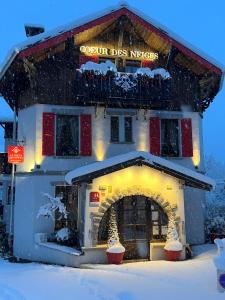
(30, 130)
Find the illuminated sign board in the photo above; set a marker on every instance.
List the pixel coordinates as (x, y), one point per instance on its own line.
(123, 53)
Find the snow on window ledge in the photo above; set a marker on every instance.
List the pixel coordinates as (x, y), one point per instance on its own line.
(64, 249)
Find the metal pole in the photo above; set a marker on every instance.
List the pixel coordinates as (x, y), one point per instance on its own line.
(12, 186)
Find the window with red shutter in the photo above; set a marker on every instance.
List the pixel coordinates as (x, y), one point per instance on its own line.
(48, 134)
(186, 138)
(85, 135)
(154, 137)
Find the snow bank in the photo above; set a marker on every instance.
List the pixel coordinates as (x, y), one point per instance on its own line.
(101, 68)
(173, 246)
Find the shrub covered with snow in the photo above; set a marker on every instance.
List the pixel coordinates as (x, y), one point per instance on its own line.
(101, 68)
(215, 200)
(55, 204)
(152, 73)
(63, 234)
(114, 245)
(172, 239)
(125, 81)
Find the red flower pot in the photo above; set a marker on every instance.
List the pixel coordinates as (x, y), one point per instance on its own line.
(172, 255)
(115, 258)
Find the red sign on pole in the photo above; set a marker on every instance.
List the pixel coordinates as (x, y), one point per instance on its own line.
(94, 197)
(15, 154)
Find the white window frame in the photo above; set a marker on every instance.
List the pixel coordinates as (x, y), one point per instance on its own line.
(122, 129)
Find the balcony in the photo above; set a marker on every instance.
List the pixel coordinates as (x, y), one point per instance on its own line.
(126, 90)
(5, 167)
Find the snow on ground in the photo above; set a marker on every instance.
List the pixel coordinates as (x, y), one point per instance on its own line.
(193, 279)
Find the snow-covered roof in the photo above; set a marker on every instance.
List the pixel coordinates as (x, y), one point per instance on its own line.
(6, 114)
(67, 29)
(115, 163)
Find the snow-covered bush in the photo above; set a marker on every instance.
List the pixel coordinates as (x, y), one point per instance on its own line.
(114, 245)
(101, 68)
(48, 210)
(172, 239)
(215, 200)
(152, 73)
(63, 234)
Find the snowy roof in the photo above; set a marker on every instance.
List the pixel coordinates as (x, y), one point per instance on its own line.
(118, 162)
(63, 32)
(6, 114)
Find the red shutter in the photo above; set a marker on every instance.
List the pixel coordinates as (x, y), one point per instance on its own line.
(83, 59)
(48, 134)
(154, 137)
(85, 135)
(186, 136)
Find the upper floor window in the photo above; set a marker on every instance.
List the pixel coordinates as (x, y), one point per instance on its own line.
(67, 135)
(121, 129)
(170, 141)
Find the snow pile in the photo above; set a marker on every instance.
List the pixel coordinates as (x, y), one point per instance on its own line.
(125, 81)
(63, 234)
(55, 204)
(152, 73)
(101, 68)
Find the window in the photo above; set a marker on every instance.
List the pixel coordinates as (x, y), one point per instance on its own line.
(170, 138)
(132, 66)
(114, 129)
(121, 129)
(67, 135)
(69, 196)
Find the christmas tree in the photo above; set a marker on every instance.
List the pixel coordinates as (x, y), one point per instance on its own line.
(113, 236)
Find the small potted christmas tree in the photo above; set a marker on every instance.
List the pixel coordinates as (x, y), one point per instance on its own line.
(173, 247)
(115, 251)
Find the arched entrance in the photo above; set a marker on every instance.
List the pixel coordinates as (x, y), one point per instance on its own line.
(140, 220)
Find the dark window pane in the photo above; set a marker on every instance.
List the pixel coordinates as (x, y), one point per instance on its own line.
(169, 138)
(67, 135)
(128, 129)
(114, 129)
(132, 66)
(69, 196)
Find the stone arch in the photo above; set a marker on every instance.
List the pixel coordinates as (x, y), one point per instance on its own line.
(169, 209)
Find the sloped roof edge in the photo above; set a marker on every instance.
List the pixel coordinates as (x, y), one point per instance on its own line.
(66, 30)
(191, 178)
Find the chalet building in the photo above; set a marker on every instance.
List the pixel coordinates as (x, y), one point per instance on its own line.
(109, 111)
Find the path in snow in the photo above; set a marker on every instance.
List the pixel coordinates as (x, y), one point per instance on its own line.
(194, 279)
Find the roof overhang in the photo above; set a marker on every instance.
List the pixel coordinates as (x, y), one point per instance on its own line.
(139, 158)
(51, 38)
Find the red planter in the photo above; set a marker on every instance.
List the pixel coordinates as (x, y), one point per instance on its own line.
(115, 258)
(172, 255)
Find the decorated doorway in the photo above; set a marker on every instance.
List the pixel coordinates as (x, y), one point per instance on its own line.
(140, 220)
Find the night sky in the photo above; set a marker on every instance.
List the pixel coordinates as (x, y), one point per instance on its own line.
(201, 23)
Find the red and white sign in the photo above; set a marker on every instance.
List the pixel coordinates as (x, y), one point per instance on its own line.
(15, 154)
(94, 197)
